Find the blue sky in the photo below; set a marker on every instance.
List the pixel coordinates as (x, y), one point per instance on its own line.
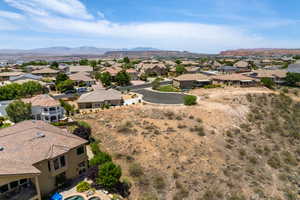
(207, 26)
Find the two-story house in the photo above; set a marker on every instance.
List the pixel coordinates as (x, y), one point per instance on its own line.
(45, 108)
(36, 158)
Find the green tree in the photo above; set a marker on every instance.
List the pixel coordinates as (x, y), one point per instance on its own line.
(54, 65)
(180, 69)
(100, 158)
(109, 175)
(70, 109)
(267, 82)
(31, 88)
(10, 91)
(105, 78)
(93, 64)
(155, 84)
(61, 77)
(178, 62)
(122, 78)
(18, 111)
(292, 78)
(190, 100)
(65, 85)
(126, 60)
(84, 62)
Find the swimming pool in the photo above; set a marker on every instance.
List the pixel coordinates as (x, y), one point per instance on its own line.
(76, 197)
(94, 198)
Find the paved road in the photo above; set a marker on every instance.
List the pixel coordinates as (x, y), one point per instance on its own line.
(161, 98)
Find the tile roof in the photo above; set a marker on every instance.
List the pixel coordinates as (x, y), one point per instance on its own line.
(100, 95)
(80, 68)
(29, 142)
(45, 71)
(191, 77)
(7, 74)
(268, 73)
(43, 100)
(233, 77)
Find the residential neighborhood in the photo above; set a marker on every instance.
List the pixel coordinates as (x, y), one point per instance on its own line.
(149, 100)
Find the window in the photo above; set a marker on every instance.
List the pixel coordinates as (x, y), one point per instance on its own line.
(23, 181)
(82, 164)
(62, 161)
(56, 164)
(46, 109)
(47, 118)
(4, 188)
(80, 150)
(14, 184)
(49, 166)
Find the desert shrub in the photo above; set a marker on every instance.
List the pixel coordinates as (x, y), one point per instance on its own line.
(125, 127)
(274, 161)
(190, 100)
(83, 130)
(289, 158)
(135, 170)
(83, 186)
(212, 86)
(159, 183)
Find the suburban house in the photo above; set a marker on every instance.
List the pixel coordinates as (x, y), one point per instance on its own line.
(45, 72)
(113, 71)
(227, 69)
(192, 70)
(134, 75)
(294, 68)
(25, 78)
(36, 157)
(80, 68)
(277, 76)
(5, 76)
(45, 108)
(188, 81)
(99, 98)
(242, 66)
(189, 63)
(150, 69)
(234, 80)
(82, 77)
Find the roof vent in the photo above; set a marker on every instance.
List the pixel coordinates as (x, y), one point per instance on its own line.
(40, 135)
(1, 148)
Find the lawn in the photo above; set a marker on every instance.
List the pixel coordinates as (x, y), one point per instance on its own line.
(168, 88)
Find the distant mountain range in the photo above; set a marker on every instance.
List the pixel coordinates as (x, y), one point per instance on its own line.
(64, 51)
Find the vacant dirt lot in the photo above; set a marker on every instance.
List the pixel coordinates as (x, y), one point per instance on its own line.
(211, 151)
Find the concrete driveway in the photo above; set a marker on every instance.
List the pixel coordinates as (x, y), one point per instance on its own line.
(161, 97)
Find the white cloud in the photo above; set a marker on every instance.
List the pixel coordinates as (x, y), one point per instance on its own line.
(101, 14)
(70, 17)
(10, 15)
(69, 8)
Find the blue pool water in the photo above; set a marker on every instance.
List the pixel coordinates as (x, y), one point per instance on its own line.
(75, 198)
(94, 198)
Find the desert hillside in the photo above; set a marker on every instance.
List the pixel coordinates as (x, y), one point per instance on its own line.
(234, 145)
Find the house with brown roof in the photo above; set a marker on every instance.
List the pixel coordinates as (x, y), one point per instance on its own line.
(151, 69)
(189, 81)
(277, 76)
(80, 68)
(134, 75)
(99, 98)
(5, 76)
(45, 108)
(82, 77)
(45, 72)
(234, 80)
(113, 71)
(36, 158)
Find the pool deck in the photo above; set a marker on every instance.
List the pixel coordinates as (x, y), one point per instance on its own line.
(101, 195)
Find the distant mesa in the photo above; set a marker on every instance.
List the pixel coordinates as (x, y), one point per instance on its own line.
(260, 52)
